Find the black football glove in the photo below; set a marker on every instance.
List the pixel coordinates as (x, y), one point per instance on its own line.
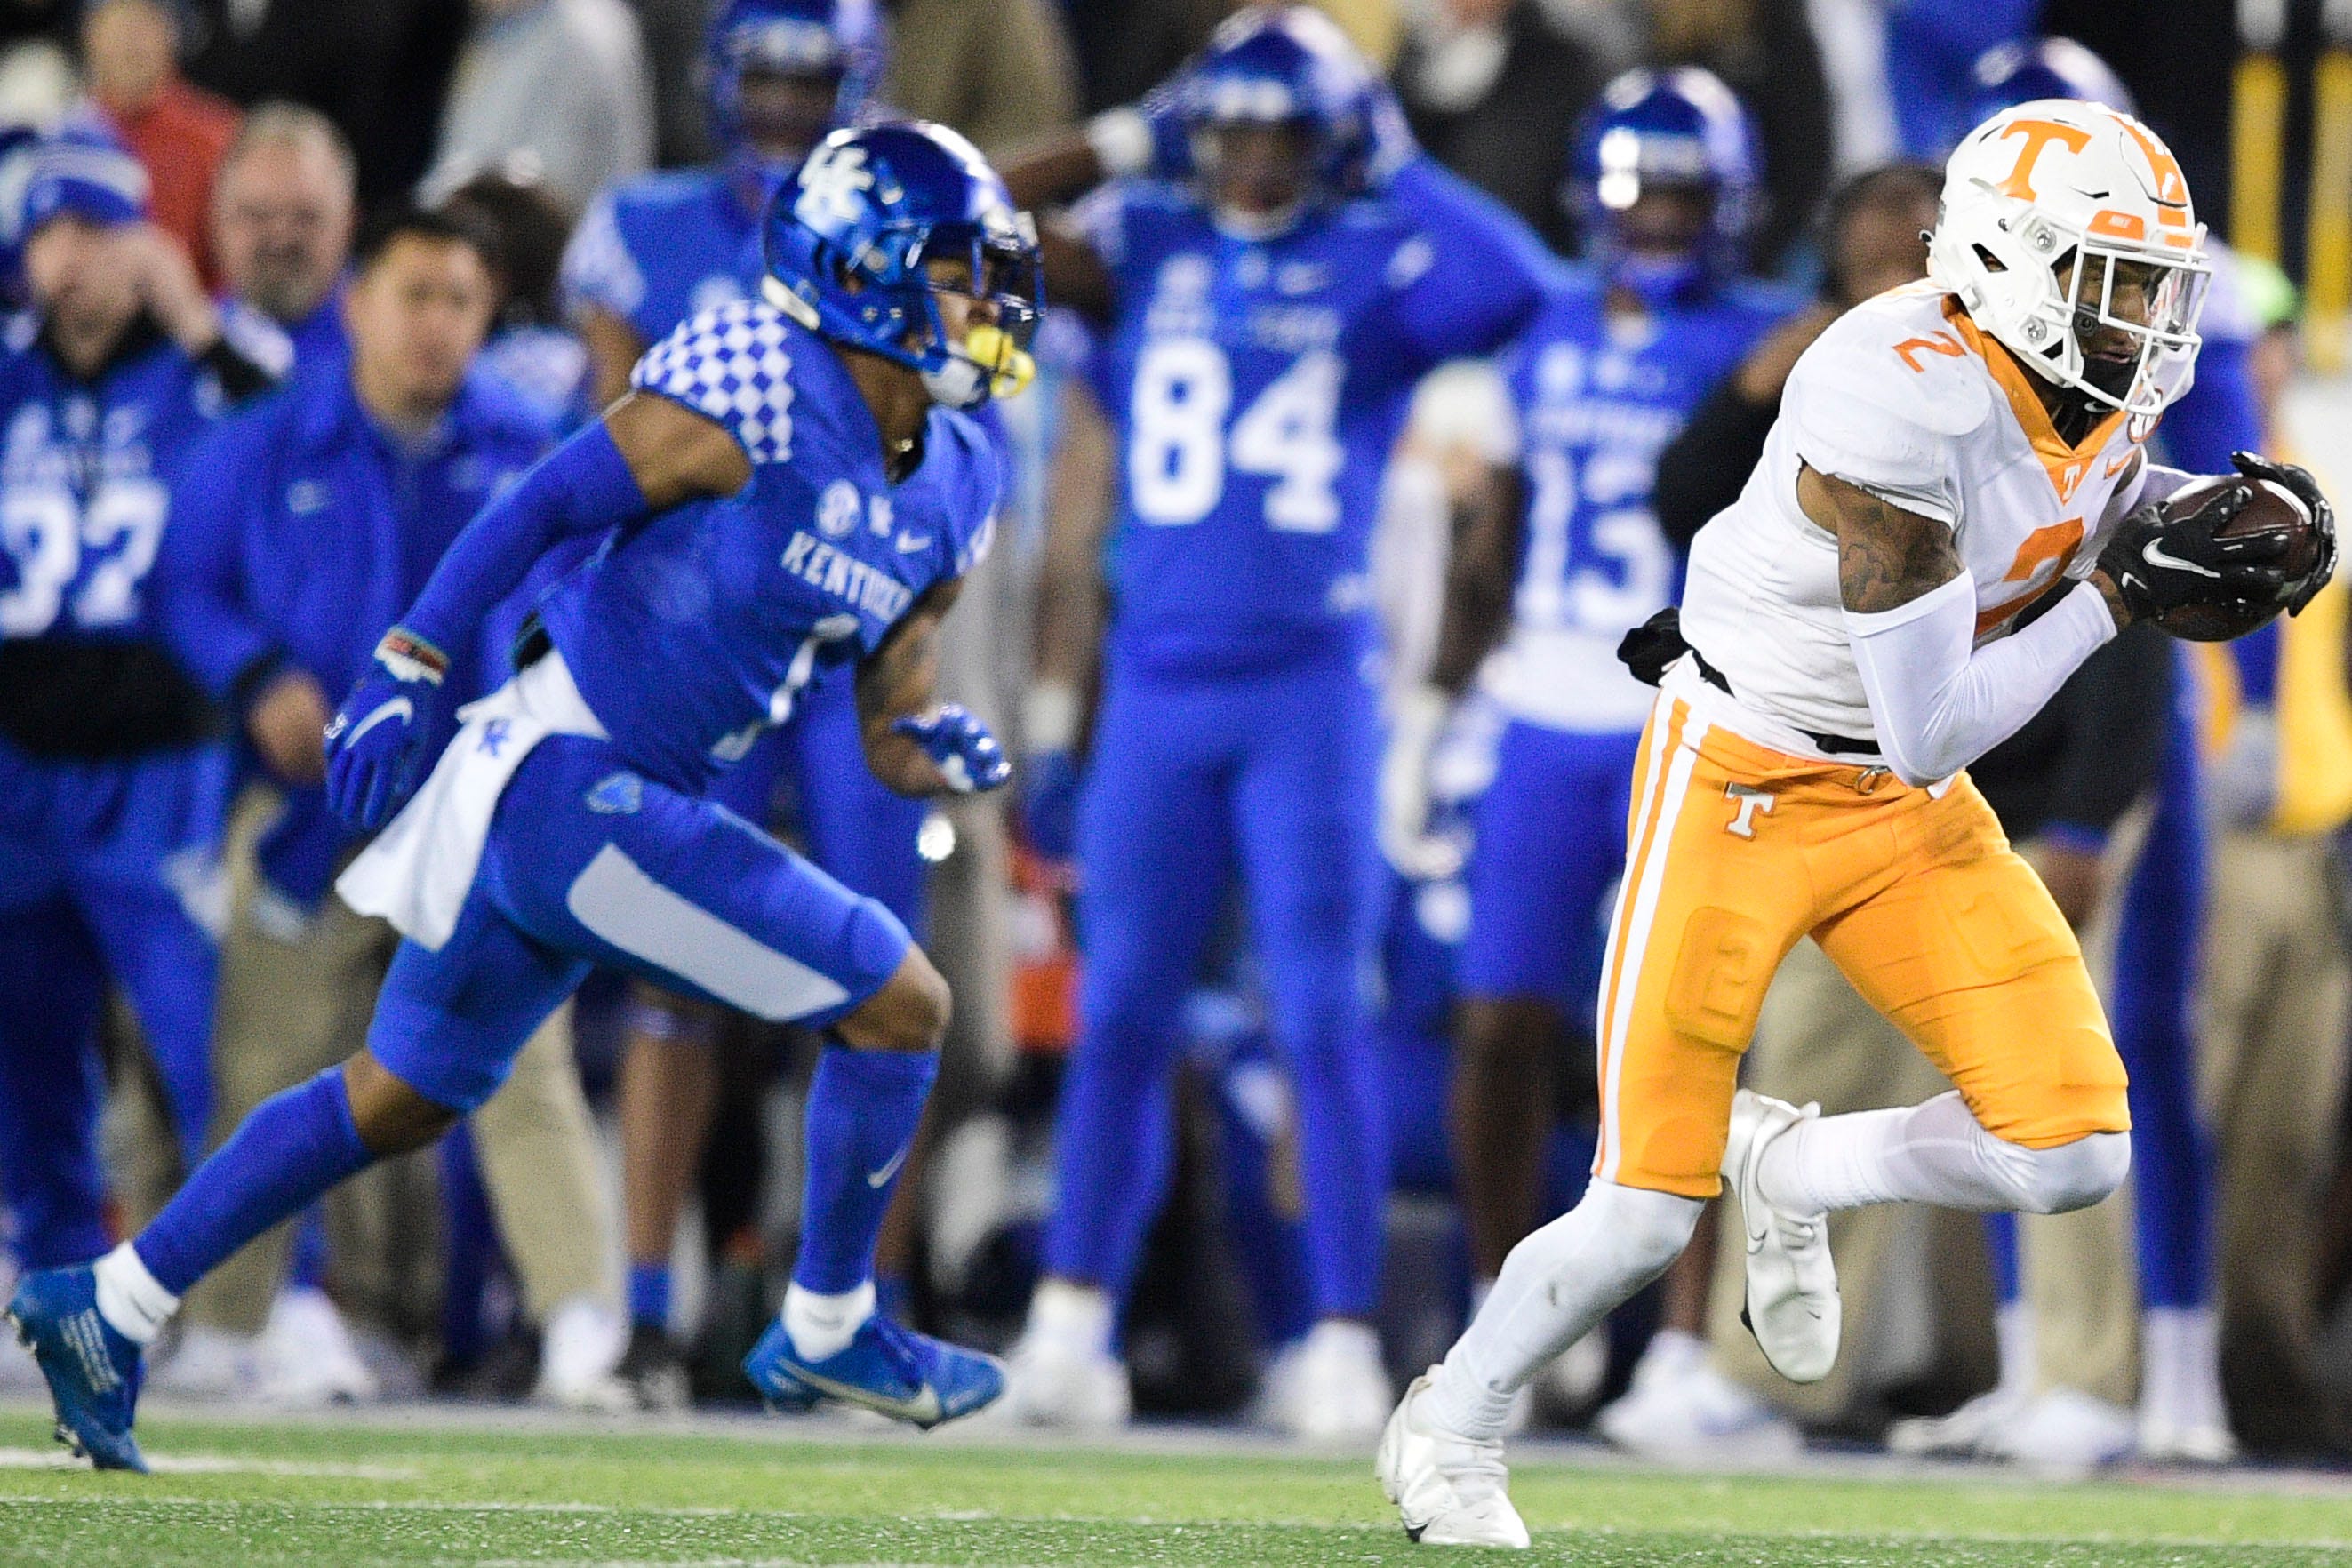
(2159, 563)
(2305, 489)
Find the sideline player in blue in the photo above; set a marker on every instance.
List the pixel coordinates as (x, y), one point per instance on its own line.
(1263, 326)
(113, 777)
(786, 488)
(649, 254)
(1558, 557)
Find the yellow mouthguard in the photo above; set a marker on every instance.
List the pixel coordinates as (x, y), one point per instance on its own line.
(1010, 368)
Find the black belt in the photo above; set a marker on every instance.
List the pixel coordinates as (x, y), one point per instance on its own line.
(1649, 648)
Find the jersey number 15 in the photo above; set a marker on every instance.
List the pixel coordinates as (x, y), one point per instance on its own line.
(1178, 450)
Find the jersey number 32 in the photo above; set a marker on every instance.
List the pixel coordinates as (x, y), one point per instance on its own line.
(1179, 451)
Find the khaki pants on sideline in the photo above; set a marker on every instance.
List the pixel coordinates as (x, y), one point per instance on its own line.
(297, 1002)
(1820, 1040)
(2271, 1079)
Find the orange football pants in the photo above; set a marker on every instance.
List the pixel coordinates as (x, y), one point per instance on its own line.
(1733, 852)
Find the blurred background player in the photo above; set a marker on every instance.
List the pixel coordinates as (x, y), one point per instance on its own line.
(1557, 559)
(113, 779)
(648, 256)
(1263, 326)
(308, 522)
(905, 286)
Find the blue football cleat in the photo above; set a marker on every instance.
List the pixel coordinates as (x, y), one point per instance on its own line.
(904, 1375)
(93, 1372)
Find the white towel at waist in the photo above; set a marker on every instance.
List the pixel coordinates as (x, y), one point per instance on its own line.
(417, 872)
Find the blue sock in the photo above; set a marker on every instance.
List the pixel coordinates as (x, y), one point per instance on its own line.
(649, 1294)
(295, 1146)
(863, 1107)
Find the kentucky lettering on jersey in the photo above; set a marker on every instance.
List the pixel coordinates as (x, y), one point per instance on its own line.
(1597, 398)
(1256, 387)
(691, 632)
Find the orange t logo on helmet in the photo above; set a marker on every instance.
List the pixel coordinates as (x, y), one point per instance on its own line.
(2038, 134)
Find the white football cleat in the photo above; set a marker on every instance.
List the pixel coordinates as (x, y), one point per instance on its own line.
(1792, 1296)
(1330, 1386)
(1681, 1409)
(580, 1353)
(308, 1355)
(2065, 1432)
(2164, 1442)
(212, 1366)
(1966, 1433)
(1449, 1490)
(1052, 1380)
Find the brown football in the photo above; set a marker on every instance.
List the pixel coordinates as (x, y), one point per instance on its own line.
(2272, 506)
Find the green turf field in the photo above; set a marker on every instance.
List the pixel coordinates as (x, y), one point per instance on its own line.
(346, 1496)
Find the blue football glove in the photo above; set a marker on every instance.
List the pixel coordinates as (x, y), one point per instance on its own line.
(384, 735)
(968, 756)
(1049, 802)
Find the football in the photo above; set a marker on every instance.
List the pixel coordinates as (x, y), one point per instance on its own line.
(2271, 507)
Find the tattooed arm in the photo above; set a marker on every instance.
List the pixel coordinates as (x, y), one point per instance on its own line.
(1937, 701)
(897, 682)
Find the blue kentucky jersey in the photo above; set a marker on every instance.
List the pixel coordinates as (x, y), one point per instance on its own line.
(1598, 397)
(1256, 387)
(692, 632)
(663, 248)
(86, 475)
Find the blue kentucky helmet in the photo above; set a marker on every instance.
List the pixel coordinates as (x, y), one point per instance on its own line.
(848, 237)
(1678, 127)
(841, 40)
(1285, 64)
(2009, 74)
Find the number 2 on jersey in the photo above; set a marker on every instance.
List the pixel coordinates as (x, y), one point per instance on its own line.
(1178, 452)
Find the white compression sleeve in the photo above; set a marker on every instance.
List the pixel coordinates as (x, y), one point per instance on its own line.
(1555, 1286)
(1938, 704)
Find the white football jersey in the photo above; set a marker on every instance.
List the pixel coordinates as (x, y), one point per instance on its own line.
(1903, 397)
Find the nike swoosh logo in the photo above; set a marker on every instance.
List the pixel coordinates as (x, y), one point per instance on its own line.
(398, 708)
(878, 1179)
(2156, 554)
(908, 544)
(924, 1408)
(2119, 465)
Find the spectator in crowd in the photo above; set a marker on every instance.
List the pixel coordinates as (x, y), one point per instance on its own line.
(282, 215)
(1766, 51)
(1492, 90)
(112, 781)
(178, 132)
(563, 80)
(997, 70)
(378, 68)
(302, 531)
(529, 348)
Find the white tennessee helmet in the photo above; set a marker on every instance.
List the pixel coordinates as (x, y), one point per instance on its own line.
(2065, 224)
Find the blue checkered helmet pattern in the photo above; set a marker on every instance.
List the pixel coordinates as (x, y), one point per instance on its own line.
(842, 39)
(729, 364)
(1679, 127)
(1286, 65)
(849, 238)
(2013, 73)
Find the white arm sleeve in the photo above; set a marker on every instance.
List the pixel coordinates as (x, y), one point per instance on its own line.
(2153, 482)
(1938, 705)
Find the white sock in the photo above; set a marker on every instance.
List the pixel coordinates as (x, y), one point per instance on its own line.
(1074, 1314)
(2180, 1367)
(129, 1298)
(2012, 1332)
(1934, 1152)
(822, 1326)
(1555, 1286)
